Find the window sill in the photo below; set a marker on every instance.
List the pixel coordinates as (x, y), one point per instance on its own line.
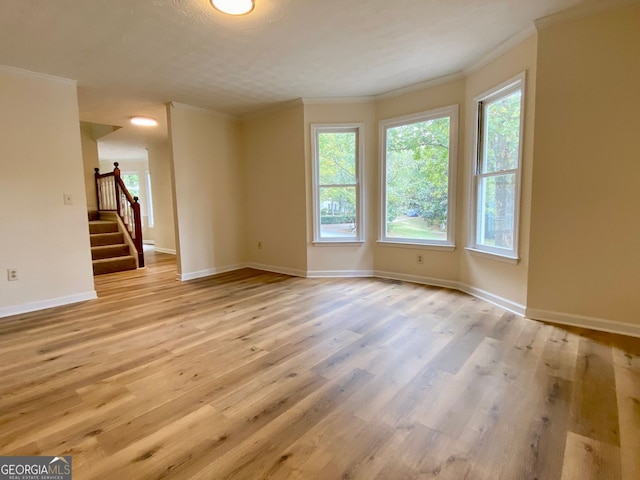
(421, 246)
(337, 243)
(493, 256)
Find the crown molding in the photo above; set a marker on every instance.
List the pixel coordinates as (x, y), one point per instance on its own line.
(296, 102)
(206, 111)
(590, 7)
(434, 82)
(334, 100)
(40, 76)
(500, 50)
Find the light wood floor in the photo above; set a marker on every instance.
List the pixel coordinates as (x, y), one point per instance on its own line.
(252, 375)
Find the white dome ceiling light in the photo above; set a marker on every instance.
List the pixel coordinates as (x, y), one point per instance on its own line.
(144, 121)
(234, 7)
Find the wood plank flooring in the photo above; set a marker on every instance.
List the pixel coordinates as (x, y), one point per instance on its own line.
(252, 375)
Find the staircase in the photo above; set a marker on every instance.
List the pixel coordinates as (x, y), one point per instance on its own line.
(109, 251)
(116, 228)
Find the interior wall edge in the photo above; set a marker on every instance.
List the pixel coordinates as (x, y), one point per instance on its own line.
(168, 251)
(502, 302)
(591, 323)
(276, 269)
(183, 277)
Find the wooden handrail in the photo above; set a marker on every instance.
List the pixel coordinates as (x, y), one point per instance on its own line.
(113, 196)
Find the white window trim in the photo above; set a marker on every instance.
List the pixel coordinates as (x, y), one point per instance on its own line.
(149, 199)
(511, 256)
(338, 243)
(452, 112)
(492, 256)
(360, 226)
(417, 246)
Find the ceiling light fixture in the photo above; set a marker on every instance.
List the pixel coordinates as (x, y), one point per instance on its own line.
(144, 121)
(234, 7)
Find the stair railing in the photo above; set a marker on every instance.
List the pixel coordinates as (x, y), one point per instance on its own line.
(113, 196)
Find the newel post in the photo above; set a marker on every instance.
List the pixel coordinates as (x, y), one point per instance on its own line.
(138, 229)
(116, 186)
(97, 177)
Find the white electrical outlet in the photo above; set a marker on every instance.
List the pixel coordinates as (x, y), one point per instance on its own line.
(12, 274)
(419, 259)
(68, 198)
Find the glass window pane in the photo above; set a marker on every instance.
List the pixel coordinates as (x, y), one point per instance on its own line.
(337, 163)
(417, 180)
(496, 211)
(502, 134)
(338, 212)
(132, 182)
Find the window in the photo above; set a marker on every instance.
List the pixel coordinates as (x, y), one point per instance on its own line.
(497, 169)
(337, 173)
(132, 182)
(418, 178)
(143, 192)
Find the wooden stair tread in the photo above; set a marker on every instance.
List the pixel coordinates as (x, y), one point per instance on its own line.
(114, 259)
(102, 239)
(109, 251)
(102, 226)
(114, 264)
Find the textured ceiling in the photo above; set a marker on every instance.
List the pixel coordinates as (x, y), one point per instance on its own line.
(131, 56)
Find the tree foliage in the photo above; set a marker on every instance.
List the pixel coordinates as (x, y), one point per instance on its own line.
(501, 145)
(337, 173)
(418, 170)
(132, 182)
(502, 138)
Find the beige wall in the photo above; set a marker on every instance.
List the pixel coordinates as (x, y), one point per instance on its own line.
(439, 266)
(274, 156)
(89, 162)
(164, 234)
(40, 160)
(324, 259)
(585, 260)
(504, 280)
(207, 175)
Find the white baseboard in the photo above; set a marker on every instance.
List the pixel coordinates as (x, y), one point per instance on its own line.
(593, 323)
(148, 242)
(229, 268)
(50, 303)
(497, 300)
(434, 282)
(271, 268)
(164, 250)
(492, 298)
(208, 272)
(339, 273)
